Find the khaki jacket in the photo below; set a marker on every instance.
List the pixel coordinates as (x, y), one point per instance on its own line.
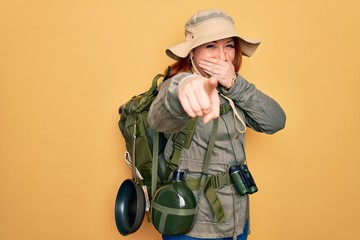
(259, 111)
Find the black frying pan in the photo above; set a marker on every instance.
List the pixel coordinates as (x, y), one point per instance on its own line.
(130, 202)
(129, 207)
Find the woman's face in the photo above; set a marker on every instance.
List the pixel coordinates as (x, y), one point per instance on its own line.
(220, 49)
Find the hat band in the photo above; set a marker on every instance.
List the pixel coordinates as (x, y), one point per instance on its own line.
(211, 30)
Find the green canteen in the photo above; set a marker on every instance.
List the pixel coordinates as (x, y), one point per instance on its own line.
(174, 207)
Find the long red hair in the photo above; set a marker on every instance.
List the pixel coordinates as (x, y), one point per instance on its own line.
(184, 65)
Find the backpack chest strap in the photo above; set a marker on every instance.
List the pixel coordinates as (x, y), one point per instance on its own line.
(225, 108)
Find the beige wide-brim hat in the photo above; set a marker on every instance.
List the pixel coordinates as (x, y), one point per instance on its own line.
(207, 26)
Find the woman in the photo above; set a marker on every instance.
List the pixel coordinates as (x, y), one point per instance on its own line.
(205, 76)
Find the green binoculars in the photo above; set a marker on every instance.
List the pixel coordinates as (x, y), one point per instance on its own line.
(242, 179)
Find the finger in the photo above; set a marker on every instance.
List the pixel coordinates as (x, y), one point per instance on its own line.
(186, 105)
(227, 57)
(195, 104)
(214, 61)
(215, 109)
(215, 104)
(207, 118)
(203, 102)
(212, 73)
(206, 67)
(210, 85)
(203, 94)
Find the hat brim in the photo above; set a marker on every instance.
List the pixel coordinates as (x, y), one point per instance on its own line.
(182, 50)
(248, 46)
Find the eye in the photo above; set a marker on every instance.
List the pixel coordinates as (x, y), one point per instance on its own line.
(230, 45)
(210, 46)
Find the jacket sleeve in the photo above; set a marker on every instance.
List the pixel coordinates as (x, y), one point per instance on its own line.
(166, 113)
(262, 113)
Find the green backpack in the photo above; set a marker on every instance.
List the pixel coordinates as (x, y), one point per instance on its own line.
(146, 146)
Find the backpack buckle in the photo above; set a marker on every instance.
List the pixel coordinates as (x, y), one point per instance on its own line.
(179, 140)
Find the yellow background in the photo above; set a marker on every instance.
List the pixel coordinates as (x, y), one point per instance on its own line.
(66, 66)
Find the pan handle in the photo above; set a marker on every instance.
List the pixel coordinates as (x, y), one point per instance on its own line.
(127, 159)
(133, 152)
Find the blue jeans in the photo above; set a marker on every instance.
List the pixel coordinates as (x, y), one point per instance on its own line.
(243, 236)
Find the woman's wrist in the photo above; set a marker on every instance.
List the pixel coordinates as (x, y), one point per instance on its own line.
(232, 82)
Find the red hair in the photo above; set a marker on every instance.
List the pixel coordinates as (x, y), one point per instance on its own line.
(184, 65)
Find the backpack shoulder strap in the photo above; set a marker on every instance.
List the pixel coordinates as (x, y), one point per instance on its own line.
(148, 96)
(181, 140)
(155, 162)
(209, 153)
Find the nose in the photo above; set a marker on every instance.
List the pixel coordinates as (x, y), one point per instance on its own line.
(221, 54)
